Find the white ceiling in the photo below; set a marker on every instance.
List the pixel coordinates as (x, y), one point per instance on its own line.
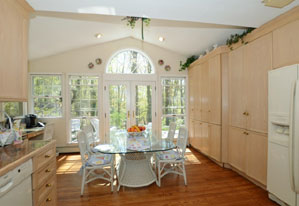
(62, 25)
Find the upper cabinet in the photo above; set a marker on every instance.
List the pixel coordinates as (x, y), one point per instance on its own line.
(285, 45)
(257, 63)
(248, 80)
(14, 20)
(237, 89)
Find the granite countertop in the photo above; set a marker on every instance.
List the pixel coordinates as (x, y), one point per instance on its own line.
(13, 155)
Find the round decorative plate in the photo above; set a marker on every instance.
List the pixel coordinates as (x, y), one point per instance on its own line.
(167, 68)
(160, 62)
(90, 65)
(98, 61)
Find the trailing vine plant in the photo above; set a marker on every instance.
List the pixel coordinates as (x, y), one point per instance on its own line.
(235, 38)
(189, 61)
(131, 21)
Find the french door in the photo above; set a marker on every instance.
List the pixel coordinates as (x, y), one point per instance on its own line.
(129, 103)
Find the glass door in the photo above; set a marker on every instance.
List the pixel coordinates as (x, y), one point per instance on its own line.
(143, 104)
(117, 107)
(127, 104)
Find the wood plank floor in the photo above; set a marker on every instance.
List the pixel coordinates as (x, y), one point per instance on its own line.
(208, 184)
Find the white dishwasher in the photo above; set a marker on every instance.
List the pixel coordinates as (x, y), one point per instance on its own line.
(16, 187)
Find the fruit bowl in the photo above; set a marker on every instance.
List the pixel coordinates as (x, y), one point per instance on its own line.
(136, 133)
(136, 130)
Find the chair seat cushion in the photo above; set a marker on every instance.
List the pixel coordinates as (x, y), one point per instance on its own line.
(99, 159)
(168, 155)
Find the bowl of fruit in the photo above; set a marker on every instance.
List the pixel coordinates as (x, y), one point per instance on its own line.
(136, 130)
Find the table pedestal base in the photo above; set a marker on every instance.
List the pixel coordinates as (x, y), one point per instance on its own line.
(135, 170)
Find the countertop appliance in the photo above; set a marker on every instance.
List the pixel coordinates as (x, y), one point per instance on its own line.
(30, 120)
(15, 186)
(283, 131)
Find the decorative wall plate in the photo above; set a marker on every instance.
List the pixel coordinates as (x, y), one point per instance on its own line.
(160, 62)
(167, 68)
(98, 61)
(90, 65)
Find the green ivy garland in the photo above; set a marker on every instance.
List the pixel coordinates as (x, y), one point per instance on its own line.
(189, 61)
(131, 21)
(235, 38)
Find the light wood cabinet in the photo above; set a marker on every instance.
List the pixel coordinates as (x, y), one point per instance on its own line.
(14, 20)
(257, 63)
(205, 138)
(214, 109)
(256, 156)
(215, 142)
(44, 177)
(285, 45)
(197, 140)
(192, 90)
(237, 89)
(237, 148)
(197, 99)
(205, 91)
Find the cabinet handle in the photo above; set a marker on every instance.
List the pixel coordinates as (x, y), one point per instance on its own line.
(247, 114)
(47, 156)
(246, 133)
(48, 199)
(244, 113)
(47, 170)
(48, 185)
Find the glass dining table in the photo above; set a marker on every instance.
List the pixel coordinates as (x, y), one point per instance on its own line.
(135, 168)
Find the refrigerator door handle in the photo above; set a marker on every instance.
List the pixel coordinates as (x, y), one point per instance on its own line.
(291, 137)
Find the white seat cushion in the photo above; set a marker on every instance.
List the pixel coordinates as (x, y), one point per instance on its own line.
(99, 159)
(169, 155)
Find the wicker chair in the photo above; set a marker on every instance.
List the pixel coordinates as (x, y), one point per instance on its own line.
(90, 163)
(173, 159)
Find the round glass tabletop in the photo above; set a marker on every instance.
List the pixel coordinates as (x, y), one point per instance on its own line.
(124, 143)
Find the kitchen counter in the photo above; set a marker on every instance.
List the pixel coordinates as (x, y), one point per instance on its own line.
(13, 155)
(32, 132)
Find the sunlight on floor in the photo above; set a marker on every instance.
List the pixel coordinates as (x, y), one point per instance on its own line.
(191, 159)
(70, 164)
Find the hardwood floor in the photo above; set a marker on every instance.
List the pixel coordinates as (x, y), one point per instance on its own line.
(208, 184)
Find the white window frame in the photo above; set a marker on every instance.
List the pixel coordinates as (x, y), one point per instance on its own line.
(68, 105)
(31, 107)
(160, 104)
(132, 49)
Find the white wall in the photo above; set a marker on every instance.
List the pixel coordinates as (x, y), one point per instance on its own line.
(76, 61)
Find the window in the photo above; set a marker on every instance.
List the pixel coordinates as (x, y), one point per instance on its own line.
(83, 103)
(173, 103)
(47, 95)
(130, 62)
(13, 109)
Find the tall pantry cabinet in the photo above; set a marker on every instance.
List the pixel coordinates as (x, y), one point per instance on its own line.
(205, 105)
(248, 110)
(14, 21)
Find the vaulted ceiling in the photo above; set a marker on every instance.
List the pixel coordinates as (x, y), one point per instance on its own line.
(189, 26)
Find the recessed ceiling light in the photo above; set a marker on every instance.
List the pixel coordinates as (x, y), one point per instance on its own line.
(161, 39)
(99, 35)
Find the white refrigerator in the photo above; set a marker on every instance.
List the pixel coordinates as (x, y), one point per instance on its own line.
(283, 139)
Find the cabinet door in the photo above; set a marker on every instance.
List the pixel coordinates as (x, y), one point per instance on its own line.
(236, 89)
(257, 63)
(205, 138)
(214, 96)
(285, 45)
(237, 148)
(215, 141)
(196, 143)
(13, 51)
(205, 92)
(191, 131)
(191, 98)
(197, 93)
(257, 149)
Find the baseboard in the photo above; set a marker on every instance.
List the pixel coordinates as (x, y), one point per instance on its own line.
(261, 185)
(207, 156)
(62, 150)
(275, 199)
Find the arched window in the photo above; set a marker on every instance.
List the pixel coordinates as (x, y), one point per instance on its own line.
(130, 62)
